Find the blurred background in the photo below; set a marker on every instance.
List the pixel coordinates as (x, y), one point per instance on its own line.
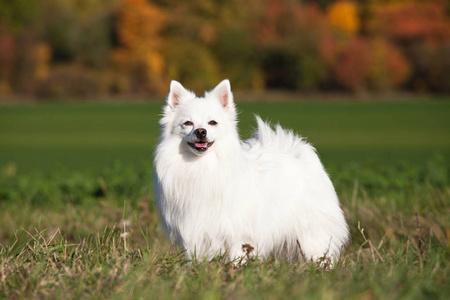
(93, 68)
(60, 49)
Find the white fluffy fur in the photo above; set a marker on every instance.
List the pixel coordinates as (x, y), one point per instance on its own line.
(270, 192)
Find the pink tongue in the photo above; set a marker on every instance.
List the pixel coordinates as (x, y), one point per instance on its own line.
(200, 145)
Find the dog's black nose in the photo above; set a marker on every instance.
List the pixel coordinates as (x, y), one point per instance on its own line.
(200, 133)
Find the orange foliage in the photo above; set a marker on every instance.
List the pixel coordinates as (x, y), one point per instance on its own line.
(24, 56)
(7, 52)
(425, 20)
(371, 64)
(139, 25)
(269, 27)
(353, 65)
(328, 49)
(343, 15)
(43, 54)
(139, 28)
(308, 16)
(281, 19)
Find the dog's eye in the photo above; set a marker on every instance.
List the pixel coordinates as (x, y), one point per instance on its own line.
(212, 123)
(188, 123)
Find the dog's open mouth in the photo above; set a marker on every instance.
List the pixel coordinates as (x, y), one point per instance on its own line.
(200, 146)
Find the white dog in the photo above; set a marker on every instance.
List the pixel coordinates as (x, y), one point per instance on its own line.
(217, 195)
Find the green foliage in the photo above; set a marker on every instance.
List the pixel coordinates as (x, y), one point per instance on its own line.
(61, 187)
(192, 64)
(234, 46)
(18, 13)
(77, 32)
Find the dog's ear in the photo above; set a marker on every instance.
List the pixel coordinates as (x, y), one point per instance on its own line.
(177, 91)
(223, 92)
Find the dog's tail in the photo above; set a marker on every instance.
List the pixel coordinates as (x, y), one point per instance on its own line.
(277, 139)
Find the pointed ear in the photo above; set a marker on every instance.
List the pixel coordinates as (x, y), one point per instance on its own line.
(177, 91)
(223, 92)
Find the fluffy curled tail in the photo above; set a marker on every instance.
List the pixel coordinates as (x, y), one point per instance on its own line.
(278, 139)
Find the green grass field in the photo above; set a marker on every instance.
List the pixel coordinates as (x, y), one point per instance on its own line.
(77, 215)
(38, 137)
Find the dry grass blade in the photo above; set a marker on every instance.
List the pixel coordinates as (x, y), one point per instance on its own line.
(301, 251)
(420, 241)
(373, 249)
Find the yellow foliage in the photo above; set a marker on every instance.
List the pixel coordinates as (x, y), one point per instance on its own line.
(344, 16)
(155, 63)
(43, 55)
(139, 25)
(388, 68)
(155, 67)
(5, 88)
(139, 29)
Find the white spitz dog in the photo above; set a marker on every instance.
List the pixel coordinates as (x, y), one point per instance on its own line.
(267, 196)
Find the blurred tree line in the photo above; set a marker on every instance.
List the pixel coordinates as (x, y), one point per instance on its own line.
(86, 48)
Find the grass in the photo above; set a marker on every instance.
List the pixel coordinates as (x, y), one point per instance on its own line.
(78, 235)
(91, 136)
(80, 222)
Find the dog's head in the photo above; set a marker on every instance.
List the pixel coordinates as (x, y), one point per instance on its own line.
(199, 122)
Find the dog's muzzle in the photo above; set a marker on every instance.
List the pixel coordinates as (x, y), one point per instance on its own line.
(202, 144)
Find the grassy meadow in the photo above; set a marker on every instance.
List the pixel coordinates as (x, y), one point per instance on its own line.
(77, 215)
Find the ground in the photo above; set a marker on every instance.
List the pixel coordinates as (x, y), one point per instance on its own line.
(77, 218)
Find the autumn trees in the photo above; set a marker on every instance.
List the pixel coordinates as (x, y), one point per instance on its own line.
(52, 48)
